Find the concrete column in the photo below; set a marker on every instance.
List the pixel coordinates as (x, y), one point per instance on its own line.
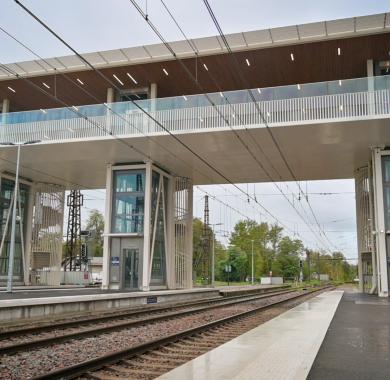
(380, 232)
(27, 243)
(189, 238)
(145, 285)
(153, 90)
(359, 222)
(370, 86)
(110, 95)
(4, 110)
(150, 125)
(170, 243)
(107, 229)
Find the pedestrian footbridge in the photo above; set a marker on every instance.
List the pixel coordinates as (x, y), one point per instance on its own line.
(325, 130)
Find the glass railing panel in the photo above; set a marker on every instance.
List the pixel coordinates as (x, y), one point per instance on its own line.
(122, 109)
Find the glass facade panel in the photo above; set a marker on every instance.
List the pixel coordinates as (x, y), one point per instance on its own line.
(6, 192)
(159, 203)
(128, 201)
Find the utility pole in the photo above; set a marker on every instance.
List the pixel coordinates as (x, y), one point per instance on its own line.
(213, 252)
(318, 266)
(252, 263)
(308, 263)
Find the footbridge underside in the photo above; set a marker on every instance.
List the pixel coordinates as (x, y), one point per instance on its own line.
(315, 151)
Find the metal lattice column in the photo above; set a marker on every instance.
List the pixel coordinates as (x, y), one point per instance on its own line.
(72, 260)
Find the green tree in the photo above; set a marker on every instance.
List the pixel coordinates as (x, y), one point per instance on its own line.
(95, 224)
(287, 258)
(246, 233)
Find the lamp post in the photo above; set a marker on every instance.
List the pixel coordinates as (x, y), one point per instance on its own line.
(213, 253)
(14, 205)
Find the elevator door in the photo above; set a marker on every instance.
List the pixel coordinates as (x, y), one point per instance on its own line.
(131, 259)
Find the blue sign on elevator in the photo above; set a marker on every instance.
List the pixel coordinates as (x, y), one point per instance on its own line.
(115, 261)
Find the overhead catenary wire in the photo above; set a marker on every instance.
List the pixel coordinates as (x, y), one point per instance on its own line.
(277, 145)
(196, 52)
(70, 79)
(217, 171)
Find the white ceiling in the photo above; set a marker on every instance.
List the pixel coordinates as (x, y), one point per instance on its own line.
(315, 152)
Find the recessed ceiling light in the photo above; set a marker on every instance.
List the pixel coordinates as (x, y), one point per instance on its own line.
(247, 62)
(185, 98)
(165, 72)
(46, 85)
(11, 89)
(42, 110)
(338, 51)
(80, 81)
(204, 65)
(292, 57)
(259, 91)
(298, 86)
(132, 78)
(119, 81)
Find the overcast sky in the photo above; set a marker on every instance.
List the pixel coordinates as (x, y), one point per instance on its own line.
(92, 25)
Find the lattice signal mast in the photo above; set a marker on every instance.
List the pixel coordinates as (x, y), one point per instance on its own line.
(72, 260)
(206, 257)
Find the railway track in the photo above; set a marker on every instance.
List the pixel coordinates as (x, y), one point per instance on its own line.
(47, 325)
(40, 336)
(154, 357)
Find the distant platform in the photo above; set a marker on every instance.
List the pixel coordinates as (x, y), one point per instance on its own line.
(237, 290)
(61, 302)
(282, 348)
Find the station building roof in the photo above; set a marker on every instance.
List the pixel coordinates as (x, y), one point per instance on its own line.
(314, 52)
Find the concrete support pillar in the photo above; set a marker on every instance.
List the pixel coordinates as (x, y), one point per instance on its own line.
(359, 223)
(370, 86)
(380, 227)
(5, 106)
(153, 90)
(110, 95)
(4, 110)
(145, 285)
(189, 238)
(170, 243)
(107, 229)
(28, 242)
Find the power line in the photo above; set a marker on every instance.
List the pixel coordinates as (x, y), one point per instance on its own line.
(223, 37)
(213, 168)
(147, 19)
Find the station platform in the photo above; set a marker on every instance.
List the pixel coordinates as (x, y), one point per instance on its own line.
(282, 348)
(337, 335)
(357, 345)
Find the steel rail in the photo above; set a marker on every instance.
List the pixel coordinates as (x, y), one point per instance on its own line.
(124, 313)
(41, 342)
(79, 369)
